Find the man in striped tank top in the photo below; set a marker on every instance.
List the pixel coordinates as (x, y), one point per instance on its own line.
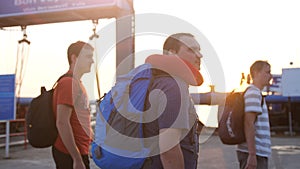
(254, 153)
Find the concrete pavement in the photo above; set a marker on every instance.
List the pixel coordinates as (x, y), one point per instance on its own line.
(213, 155)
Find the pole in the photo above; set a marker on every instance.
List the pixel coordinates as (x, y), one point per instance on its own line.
(7, 140)
(125, 36)
(290, 116)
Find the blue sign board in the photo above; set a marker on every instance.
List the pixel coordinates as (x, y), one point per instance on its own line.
(22, 7)
(33, 12)
(7, 97)
(291, 82)
(276, 84)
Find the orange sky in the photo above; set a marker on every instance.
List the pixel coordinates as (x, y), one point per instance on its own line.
(239, 32)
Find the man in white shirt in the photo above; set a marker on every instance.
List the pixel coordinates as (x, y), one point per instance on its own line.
(254, 153)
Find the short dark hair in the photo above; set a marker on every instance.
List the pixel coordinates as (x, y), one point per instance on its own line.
(173, 42)
(75, 49)
(258, 66)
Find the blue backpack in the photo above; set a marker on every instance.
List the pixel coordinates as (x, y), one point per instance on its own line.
(119, 122)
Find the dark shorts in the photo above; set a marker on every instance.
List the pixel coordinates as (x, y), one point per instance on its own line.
(65, 161)
(262, 162)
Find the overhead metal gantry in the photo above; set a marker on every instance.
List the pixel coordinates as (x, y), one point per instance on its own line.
(33, 12)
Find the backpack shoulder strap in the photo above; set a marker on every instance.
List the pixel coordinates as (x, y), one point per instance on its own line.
(262, 96)
(62, 76)
(246, 90)
(262, 100)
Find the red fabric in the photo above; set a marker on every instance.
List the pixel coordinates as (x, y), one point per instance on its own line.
(176, 66)
(80, 117)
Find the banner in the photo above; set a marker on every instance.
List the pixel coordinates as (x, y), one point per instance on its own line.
(7, 97)
(291, 82)
(24, 7)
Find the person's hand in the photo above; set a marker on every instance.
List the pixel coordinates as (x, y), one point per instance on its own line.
(251, 162)
(90, 151)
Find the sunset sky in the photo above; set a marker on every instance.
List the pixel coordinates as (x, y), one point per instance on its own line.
(239, 32)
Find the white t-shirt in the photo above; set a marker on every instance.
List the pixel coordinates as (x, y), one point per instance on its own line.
(253, 103)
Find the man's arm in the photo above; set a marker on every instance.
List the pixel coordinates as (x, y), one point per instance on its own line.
(65, 130)
(250, 118)
(171, 153)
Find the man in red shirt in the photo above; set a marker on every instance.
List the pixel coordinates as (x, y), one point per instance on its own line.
(71, 109)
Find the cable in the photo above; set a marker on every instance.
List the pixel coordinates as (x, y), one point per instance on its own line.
(92, 37)
(21, 63)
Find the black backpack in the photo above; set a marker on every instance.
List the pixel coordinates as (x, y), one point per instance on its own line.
(231, 125)
(40, 120)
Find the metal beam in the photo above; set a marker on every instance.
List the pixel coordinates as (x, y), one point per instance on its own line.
(125, 39)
